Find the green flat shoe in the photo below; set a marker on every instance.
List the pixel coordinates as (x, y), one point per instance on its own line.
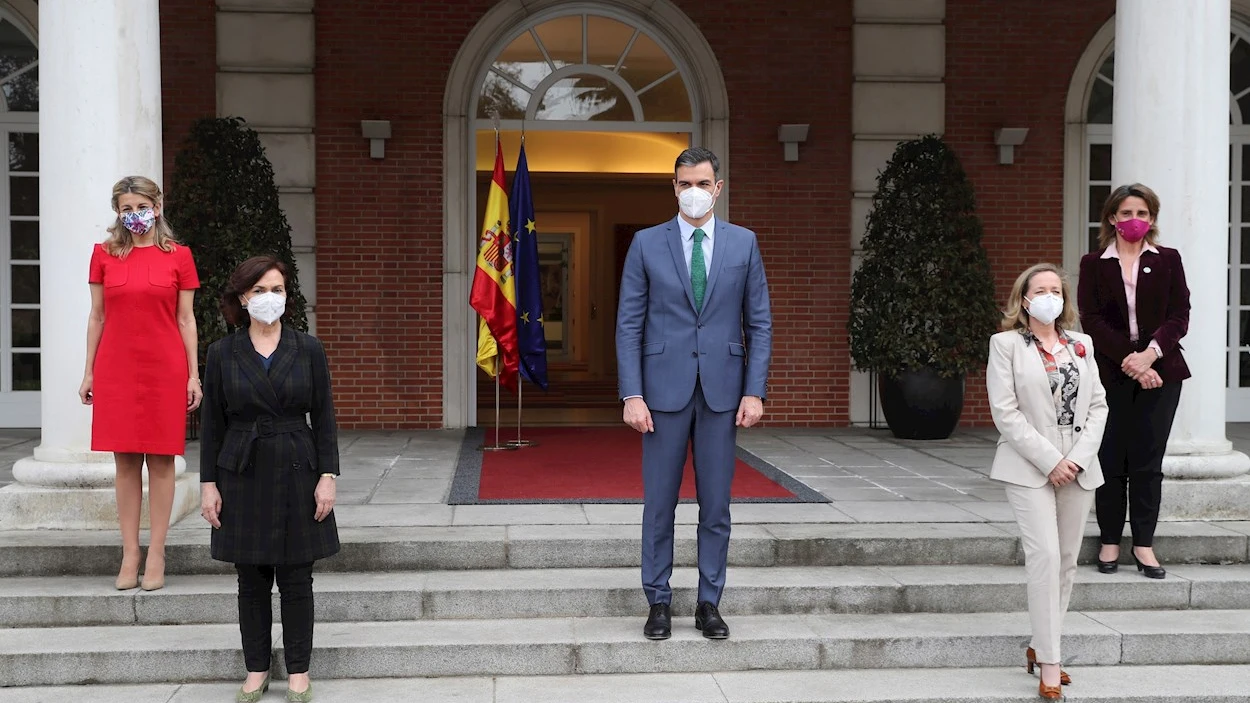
(252, 696)
(300, 697)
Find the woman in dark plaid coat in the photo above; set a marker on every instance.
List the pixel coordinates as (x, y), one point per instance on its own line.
(266, 476)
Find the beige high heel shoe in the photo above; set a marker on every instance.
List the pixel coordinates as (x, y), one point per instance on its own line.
(153, 579)
(127, 580)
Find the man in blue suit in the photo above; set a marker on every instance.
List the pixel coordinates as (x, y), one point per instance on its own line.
(693, 343)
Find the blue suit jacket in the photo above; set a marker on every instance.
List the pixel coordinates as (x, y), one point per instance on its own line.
(663, 346)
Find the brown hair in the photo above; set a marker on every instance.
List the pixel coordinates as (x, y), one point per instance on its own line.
(1106, 234)
(242, 280)
(121, 241)
(1015, 317)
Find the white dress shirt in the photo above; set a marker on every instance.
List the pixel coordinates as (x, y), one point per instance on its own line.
(687, 241)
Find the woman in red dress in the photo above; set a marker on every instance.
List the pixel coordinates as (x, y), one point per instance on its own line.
(142, 376)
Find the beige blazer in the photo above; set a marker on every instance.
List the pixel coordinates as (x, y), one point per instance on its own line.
(1024, 413)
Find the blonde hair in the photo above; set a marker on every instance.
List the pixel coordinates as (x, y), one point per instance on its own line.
(1106, 234)
(1015, 317)
(121, 241)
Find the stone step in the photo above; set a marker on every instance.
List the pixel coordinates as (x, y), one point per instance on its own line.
(566, 646)
(546, 593)
(56, 553)
(1099, 684)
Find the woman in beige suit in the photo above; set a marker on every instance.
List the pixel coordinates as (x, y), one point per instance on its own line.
(1050, 409)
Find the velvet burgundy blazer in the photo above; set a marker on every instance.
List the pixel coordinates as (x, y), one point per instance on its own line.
(1162, 311)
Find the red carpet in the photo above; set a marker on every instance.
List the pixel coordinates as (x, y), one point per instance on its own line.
(590, 464)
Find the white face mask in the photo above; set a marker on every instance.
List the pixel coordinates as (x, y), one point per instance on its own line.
(266, 307)
(695, 202)
(1046, 308)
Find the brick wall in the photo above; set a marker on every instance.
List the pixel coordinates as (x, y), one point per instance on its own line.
(1009, 65)
(379, 222)
(188, 69)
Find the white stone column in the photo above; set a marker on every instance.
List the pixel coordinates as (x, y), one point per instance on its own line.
(1170, 133)
(99, 120)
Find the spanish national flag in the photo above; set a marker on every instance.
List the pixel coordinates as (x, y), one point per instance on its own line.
(494, 286)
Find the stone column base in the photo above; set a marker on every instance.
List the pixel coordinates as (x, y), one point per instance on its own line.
(25, 507)
(1206, 499)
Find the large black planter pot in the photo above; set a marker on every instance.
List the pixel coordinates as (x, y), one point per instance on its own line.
(921, 404)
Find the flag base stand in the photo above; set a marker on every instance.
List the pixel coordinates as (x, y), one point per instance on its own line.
(518, 443)
(497, 446)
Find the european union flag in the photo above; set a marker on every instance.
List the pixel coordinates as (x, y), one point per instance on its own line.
(531, 339)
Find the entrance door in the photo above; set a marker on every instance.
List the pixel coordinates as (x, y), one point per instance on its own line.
(564, 260)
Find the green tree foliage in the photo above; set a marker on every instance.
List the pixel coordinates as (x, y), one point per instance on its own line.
(923, 296)
(223, 203)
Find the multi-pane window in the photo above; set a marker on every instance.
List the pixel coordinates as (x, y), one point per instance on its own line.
(1098, 184)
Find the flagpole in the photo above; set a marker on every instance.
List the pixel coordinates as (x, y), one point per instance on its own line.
(497, 446)
(520, 383)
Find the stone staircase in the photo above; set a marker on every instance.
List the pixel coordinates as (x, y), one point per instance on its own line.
(819, 612)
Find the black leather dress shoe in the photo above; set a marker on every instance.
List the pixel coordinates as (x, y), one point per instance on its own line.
(707, 618)
(659, 623)
(1151, 572)
(1108, 567)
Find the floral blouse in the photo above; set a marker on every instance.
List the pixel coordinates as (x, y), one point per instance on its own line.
(1064, 376)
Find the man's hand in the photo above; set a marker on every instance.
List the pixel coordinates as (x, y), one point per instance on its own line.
(637, 415)
(750, 410)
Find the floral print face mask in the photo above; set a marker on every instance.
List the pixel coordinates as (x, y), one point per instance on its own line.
(140, 222)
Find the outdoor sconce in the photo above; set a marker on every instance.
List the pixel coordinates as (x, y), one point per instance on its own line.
(377, 132)
(792, 135)
(1007, 139)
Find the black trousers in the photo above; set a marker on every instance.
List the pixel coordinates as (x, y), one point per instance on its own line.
(1138, 424)
(256, 614)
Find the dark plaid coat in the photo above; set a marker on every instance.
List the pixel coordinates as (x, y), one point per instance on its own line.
(265, 459)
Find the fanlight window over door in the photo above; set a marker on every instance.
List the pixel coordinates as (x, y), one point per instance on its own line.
(585, 67)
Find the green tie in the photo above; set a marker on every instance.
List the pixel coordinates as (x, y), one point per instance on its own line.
(698, 270)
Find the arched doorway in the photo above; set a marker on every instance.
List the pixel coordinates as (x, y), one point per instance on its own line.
(606, 94)
(1088, 182)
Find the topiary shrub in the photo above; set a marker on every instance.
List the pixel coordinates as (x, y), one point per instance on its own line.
(223, 203)
(923, 296)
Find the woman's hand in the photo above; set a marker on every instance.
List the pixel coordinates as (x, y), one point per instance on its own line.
(195, 393)
(1150, 379)
(1138, 363)
(84, 391)
(1064, 472)
(210, 504)
(324, 495)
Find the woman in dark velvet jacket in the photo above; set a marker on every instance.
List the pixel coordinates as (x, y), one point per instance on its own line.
(268, 478)
(1134, 302)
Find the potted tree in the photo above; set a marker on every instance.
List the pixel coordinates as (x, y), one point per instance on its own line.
(922, 300)
(224, 205)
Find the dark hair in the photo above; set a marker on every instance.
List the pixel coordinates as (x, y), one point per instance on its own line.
(1106, 232)
(696, 155)
(242, 280)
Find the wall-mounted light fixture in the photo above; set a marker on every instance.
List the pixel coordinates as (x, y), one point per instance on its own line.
(1007, 139)
(792, 135)
(377, 132)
